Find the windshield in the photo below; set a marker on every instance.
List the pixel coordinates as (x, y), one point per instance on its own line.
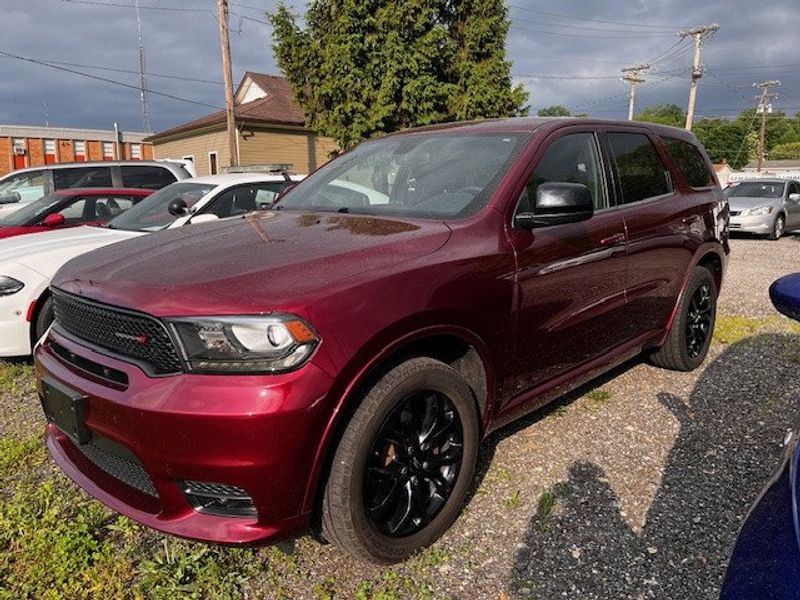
(31, 213)
(756, 189)
(152, 213)
(438, 175)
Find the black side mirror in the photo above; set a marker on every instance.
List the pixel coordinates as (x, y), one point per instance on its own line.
(557, 203)
(178, 207)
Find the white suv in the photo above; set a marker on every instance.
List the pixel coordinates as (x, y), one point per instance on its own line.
(28, 262)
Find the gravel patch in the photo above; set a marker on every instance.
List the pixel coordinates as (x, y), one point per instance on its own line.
(632, 487)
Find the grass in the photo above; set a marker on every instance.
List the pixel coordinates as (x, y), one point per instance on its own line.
(544, 508)
(599, 395)
(13, 375)
(514, 500)
(731, 329)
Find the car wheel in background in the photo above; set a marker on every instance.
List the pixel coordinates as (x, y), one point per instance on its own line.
(778, 227)
(690, 336)
(404, 463)
(43, 320)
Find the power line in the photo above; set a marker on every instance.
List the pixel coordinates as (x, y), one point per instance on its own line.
(143, 7)
(129, 71)
(103, 79)
(584, 18)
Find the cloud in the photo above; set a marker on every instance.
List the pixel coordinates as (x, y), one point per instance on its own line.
(187, 44)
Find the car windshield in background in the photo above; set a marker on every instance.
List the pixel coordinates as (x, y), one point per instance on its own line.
(427, 175)
(756, 189)
(152, 214)
(32, 212)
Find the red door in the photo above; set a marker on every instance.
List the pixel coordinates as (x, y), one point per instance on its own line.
(19, 161)
(571, 277)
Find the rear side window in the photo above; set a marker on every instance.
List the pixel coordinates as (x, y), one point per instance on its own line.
(146, 177)
(690, 162)
(640, 171)
(82, 177)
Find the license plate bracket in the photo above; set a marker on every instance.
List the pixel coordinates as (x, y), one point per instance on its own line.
(66, 409)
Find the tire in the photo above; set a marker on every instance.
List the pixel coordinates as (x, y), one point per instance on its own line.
(778, 228)
(43, 320)
(683, 349)
(366, 463)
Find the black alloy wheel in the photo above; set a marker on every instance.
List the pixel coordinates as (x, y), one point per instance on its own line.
(698, 321)
(413, 464)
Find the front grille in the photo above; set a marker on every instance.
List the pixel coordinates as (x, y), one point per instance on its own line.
(126, 333)
(118, 462)
(108, 374)
(735, 213)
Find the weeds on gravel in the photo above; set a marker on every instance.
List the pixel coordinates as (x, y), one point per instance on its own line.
(513, 500)
(598, 396)
(547, 502)
(730, 329)
(14, 374)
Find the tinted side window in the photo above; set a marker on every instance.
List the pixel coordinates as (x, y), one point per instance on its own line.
(82, 177)
(573, 158)
(690, 162)
(639, 169)
(794, 188)
(244, 199)
(146, 177)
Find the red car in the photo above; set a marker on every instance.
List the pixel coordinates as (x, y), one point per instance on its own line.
(335, 363)
(70, 208)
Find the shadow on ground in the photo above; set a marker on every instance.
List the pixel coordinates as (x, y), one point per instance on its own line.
(731, 432)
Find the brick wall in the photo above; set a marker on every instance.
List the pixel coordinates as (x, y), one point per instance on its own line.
(65, 152)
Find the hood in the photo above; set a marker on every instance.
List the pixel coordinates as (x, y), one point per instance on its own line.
(46, 252)
(743, 202)
(248, 265)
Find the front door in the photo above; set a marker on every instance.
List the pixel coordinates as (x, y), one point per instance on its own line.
(571, 277)
(793, 205)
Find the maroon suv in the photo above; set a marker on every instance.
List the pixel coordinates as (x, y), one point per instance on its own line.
(335, 363)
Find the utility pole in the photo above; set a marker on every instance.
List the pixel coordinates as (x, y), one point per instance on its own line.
(698, 33)
(632, 77)
(764, 107)
(142, 73)
(225, 45)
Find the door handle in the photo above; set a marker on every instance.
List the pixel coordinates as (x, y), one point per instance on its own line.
(613, 240)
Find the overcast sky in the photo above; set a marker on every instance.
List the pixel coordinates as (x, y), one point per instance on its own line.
(586, 42)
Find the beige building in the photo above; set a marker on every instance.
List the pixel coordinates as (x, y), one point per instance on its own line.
(270, 130)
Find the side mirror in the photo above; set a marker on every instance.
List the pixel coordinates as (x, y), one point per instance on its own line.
(785, 295)
(178, 207)
(557, 203)
(794, 197)
(11, 198)
(54, 220)
(204, 218)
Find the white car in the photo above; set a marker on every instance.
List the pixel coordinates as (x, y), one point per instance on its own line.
(28, 262)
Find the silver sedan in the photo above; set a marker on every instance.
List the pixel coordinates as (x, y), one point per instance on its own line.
(764, 206)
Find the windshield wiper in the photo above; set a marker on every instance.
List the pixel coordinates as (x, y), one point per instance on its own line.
(343, 209)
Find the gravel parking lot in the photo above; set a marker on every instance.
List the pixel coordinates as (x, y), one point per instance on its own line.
(632, 487)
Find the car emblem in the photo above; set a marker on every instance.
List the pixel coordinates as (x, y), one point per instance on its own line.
(139, 339)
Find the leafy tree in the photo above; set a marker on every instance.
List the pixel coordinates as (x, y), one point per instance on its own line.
(785, 151)
(364, 68)
(556, 110)
(664, 114)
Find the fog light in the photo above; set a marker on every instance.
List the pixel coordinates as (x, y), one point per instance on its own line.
(219, 499)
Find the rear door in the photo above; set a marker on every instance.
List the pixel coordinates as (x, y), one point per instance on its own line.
(662, 227)
(571, 277)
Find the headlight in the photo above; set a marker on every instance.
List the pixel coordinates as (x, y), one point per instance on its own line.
(759, 211)
(9, 285)
(269, 344)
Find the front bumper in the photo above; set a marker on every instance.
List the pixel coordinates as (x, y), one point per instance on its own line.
(258, 433)
(761, 224)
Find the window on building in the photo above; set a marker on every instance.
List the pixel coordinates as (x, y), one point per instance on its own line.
(50, 152)
(212, 163)
(108, 150)
(690, 162)
(136, 151)
(641, 173)
(146, 177)
(79, 150)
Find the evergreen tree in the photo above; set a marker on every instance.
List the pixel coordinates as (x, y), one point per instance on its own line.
(556, 110)
(363, 68)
